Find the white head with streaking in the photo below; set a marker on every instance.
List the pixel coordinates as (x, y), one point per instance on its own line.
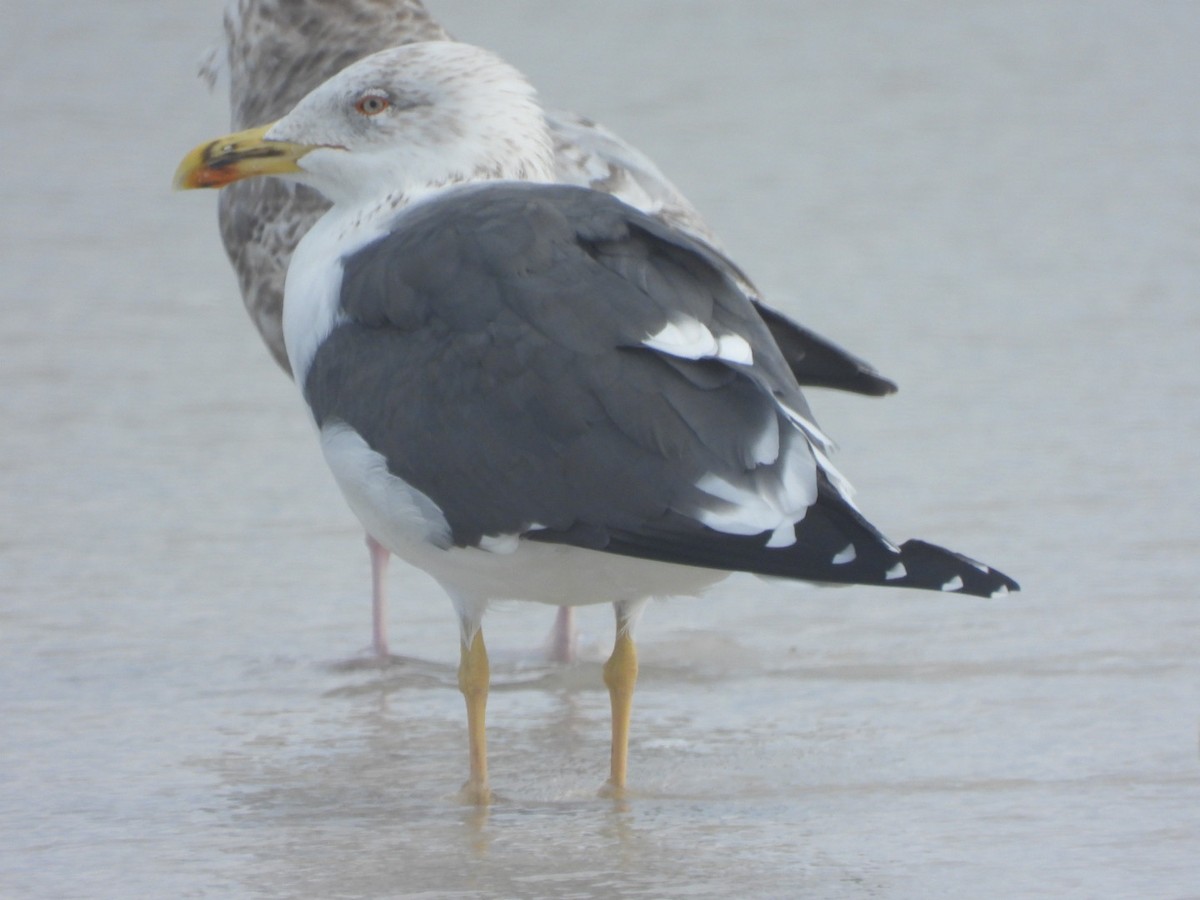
(385, 132)
(397, 124)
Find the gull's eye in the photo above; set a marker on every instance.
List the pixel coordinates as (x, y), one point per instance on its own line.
(372, 104)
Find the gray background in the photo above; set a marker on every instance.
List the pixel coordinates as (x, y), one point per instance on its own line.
(996, 203)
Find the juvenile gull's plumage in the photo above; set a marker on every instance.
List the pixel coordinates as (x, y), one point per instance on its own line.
(483, 353)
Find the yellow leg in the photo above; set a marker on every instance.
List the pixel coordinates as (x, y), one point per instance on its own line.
(620, 675)
(473, 678)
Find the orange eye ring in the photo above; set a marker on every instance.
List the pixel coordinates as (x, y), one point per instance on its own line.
(372, 104)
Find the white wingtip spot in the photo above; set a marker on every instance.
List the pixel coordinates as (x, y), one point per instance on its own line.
(1001, 591)
(848, 555)
(783, 536)
(954, 584)
(896, 571)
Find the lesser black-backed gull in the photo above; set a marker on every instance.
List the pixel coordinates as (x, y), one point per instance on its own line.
(276, 51)
(535, 391)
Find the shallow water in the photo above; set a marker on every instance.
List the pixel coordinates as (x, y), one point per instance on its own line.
(994, 203)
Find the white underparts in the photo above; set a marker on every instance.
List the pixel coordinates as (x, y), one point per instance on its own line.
(391, 510)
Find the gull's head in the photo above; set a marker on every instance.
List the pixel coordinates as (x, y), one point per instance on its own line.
(397, 123)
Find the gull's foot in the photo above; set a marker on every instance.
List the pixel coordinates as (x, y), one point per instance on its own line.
(611, 791)
(473, 794)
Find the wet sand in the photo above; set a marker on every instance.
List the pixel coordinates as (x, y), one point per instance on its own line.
(996, 204)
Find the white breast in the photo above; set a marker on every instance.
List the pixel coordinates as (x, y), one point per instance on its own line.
(312, 291)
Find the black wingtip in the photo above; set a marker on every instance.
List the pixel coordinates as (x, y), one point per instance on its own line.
(931, 567)
(818, 362)
(867, 382)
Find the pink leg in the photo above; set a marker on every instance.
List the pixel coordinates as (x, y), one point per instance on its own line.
(564, 639)
(380, 557)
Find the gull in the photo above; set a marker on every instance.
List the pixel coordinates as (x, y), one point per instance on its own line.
(536, 391)
(276, 51)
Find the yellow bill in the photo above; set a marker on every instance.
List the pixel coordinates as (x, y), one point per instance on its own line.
(234, 157)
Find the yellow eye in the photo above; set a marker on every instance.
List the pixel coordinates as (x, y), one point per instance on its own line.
(372, 104)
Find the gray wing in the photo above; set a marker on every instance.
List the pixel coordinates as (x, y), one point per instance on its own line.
(589, 155)
(547, 362)
(279, 50)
